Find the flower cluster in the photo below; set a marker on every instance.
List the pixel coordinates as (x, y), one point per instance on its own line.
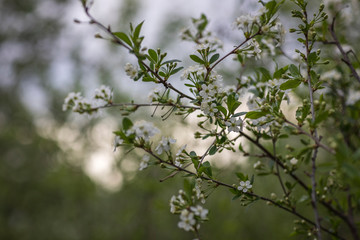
(253, 49)
(198, 33)
(164, 145)
(180, 157)
(246, 23)
(143, 131)
(190, 215)
(77, 103)
(104, 93)
(193, 72)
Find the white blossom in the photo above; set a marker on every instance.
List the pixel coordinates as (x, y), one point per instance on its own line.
(234, 125)
(164, 145)
(71, 100)
(187, 220)
(131, 71)
(104, 93)
(244, 186)
(207, 91)
(200, 211)
(197, 69)
(143, 130)
(118, 141)
(293, 161)
(144, 162)
(255, 49)
(209, 108)
(257, 165)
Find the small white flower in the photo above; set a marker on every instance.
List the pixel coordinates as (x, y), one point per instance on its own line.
(244, 186)
(293, 161)
(209, 108)
(71, 100)
(197, 69)
(207, 91)
(143, 130)
(144, 162)
(118, 141)
(187, 220)
(257, 165)
(234, 125)
(164, 145)
(200, 211)
(131, 71)
(103, 93)
(255, 52)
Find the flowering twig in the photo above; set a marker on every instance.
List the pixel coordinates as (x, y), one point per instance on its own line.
(219, 183)
(230, 53)
(136, 105)
(118, 41)
(308, 47)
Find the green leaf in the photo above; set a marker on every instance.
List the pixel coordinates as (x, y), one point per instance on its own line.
(239, 114)
(294, 71)
(170, 61)
(213, 150)
(241, 176)
(176, 70)
(123, 37)
(278, 73)
(313, 58)
(188, 187)
(196, 59)
(289, 185)
(214, 58)
(137, 30)
(193, 154)
(222, 109)
(265, 73)
(207, 168)
(127, 123)
(148, 79)
(255, 115)
(293, 83)
(153, 55)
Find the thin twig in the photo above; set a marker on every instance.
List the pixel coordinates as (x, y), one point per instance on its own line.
(231, 52)
(315, 135)
(219, 183)
(345, 57)
(316, 140)
(118, 41)
(277, 169)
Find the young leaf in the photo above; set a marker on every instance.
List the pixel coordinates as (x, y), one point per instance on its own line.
(294, 71)
(255, 115)
(137, 30)
(196, 59)
(214, 58)
(213, 150)
(127, 123)
(265, 73)
(153, 55)
(123, 37)
(293, 83)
